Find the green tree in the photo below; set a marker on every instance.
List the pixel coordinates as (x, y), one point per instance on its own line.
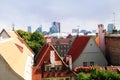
(34, 40)
(37, 41)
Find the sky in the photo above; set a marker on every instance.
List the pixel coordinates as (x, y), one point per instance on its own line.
(86, 14)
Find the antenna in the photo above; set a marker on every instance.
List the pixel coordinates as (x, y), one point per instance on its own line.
(114, 19)
(78, 29)
(13, 25)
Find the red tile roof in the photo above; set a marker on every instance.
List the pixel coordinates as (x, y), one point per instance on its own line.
(78, 46)
(61, 40)
(45, 52)
(43, 57)
(42, 52)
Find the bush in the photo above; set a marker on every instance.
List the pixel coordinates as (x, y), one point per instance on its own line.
(99, 75)
(104, 75)
(83, 76)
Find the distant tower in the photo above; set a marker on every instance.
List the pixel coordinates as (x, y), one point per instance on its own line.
(13, 27)
(29, 29)
(58, 24)
(55, 27)
(39, 29)
(78, 29)
(101, 36)
(114, 20)
(74, 30)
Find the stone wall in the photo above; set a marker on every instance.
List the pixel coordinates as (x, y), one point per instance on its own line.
(113, 50)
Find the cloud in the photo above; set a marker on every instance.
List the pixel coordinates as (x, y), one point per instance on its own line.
(87, 13)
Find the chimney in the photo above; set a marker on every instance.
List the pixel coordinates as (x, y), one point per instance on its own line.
(101, 36)
(67, 58)
(52, 58)
(48, 40)
(70, 62)
(13, 25)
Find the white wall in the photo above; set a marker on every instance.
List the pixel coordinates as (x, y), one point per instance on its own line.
(28, 69)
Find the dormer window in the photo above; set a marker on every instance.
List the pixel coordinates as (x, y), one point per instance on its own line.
(58, 68)
(47, 68)
(84, 63)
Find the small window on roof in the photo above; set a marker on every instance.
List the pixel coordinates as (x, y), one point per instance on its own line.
(47, 68)
(91, 63)
(67, 78)
(84, 63)
(91, 44)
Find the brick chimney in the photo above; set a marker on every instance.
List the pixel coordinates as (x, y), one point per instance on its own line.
(101, 37)
(69, 61)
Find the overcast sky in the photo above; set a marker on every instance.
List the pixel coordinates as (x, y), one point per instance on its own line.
(70, 13)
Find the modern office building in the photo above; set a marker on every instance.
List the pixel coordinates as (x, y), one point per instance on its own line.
(29, 29)
(110, 28)
(55, 27)
(75, 31)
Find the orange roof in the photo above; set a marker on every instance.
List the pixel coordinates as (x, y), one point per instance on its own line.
(78, 46)
(97, 40)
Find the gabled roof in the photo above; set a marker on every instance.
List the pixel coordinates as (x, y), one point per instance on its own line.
(11, 49)
(43, 52)
(44, 57)
(78, 46)
(7, 35)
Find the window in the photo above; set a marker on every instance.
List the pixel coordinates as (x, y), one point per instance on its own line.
(58, 68)
(68, 46)
(47, 68)
(64, 46)
(91, 63)
(64, 50)
(67, 78)
(61, 50)
(61, 79)
(61, 46)
(58, 48)
(84, 63)
(91, 44)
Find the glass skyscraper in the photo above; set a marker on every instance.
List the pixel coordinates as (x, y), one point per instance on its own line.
(29, 29)
(39, 29)
(55, 27)
(110, 28)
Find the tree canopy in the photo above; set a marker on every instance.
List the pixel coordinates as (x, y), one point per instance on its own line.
(34, 40)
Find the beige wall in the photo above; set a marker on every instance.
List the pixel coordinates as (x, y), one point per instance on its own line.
(91, 53)
(6, 73)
